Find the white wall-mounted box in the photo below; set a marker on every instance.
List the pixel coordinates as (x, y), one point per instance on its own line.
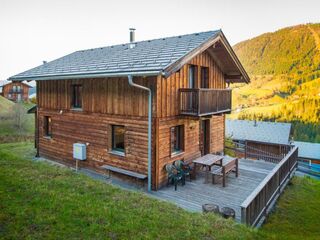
(79, 151)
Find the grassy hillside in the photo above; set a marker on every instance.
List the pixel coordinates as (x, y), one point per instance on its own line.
(10, 129)
(41, 201)
(5, 105)
(285, 71)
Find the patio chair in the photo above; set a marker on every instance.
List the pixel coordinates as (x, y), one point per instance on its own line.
(184, 168)
(174, 176)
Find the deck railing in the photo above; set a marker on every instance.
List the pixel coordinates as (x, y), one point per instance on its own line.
(256, 207)
(267, 151)
(204, 101)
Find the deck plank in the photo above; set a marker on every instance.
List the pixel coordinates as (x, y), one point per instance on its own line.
(195, 193)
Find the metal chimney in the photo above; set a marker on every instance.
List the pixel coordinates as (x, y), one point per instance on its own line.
(132, 38)
(132, 35)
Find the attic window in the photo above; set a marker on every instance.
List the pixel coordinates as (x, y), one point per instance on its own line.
(76, 101)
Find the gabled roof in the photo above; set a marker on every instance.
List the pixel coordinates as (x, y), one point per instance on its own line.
(153, 57)
(268, 132)
(308, 150)
(33, 109)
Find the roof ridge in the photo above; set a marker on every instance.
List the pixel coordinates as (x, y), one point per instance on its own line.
(149, 40)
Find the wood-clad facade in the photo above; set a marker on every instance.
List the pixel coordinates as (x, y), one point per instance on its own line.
(108, 102)
(16, 91)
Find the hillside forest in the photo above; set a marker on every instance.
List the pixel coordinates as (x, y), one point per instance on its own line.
(284, 67)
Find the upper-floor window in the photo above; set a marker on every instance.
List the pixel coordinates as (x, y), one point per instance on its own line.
(14, 88)
(118, 138)
(76, 101)
(193, 72)
(47, 126)
(18, 88)
(177, 139)
(204, 77)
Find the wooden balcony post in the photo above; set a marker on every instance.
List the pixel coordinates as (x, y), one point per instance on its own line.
(199, 103)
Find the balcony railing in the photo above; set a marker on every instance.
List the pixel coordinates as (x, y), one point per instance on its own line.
(15, 91)
(204, 101)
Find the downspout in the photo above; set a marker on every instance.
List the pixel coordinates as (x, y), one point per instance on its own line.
(131, 83)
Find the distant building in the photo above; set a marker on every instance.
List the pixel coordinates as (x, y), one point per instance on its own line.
(15, 91)
(259, 138)
(308, 151)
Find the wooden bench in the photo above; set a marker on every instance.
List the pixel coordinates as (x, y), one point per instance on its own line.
(231, 166)
(124, 172)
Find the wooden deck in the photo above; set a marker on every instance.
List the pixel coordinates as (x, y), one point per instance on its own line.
(195, 193)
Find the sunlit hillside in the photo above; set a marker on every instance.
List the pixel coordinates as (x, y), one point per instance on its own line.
(284, 67)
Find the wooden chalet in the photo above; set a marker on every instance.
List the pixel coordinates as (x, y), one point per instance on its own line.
(269, 141)
(100, 97)
(15, 91)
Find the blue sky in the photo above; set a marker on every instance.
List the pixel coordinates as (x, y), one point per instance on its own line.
(36, 30)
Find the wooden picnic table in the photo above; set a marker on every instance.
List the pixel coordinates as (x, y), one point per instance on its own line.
(207, 161)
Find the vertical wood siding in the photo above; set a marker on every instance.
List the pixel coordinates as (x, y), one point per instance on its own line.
(191, 141)
(168, 87)
(105, 95)
(109, 101)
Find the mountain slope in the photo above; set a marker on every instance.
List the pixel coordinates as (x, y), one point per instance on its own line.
(288, 50)
(284, 67)
(5, 105)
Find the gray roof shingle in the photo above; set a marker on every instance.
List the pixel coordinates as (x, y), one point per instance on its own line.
(150, 55)
(269, 132)
(308, 150)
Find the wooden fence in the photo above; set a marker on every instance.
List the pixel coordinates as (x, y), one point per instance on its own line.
(256, 207)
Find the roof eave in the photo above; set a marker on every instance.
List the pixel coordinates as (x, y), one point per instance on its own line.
(86, 75)
(234, 57)
(173, 67)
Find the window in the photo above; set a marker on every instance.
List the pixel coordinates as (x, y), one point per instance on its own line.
(118, 138)
(176, 134)
(18, 88)
(76, 96)
(204, 77)
(47, 126)
(193, 71)
(14, 88)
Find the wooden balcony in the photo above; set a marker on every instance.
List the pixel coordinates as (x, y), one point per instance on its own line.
(204, 101)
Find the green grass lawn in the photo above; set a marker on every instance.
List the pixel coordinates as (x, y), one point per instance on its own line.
(41, 201)
(297, 215)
